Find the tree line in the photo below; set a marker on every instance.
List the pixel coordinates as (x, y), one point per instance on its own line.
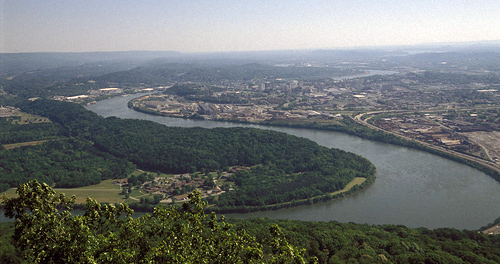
(64, 163)
(334, 242)
(15, 133)
(350, 126)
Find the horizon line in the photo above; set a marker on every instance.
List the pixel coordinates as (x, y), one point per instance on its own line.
(494, 42)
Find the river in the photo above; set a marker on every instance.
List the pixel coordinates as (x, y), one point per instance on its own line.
(413, 188)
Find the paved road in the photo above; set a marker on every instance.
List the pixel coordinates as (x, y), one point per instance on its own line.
(360, 120)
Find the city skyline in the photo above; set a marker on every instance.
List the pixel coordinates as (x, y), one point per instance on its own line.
(221, 26)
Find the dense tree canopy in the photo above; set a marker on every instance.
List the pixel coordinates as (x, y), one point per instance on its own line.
(280, 167)
(47, 232)
(65, 163)
(334, 242)
(15, 133)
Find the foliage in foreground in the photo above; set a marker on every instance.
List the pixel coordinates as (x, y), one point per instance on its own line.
(334, 242)
(47, 232)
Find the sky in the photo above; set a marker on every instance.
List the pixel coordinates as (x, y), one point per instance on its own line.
(192, 26)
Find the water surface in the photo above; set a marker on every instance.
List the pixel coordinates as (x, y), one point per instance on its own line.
(413, 188)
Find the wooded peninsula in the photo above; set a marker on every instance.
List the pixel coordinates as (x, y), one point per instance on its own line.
(280, 169)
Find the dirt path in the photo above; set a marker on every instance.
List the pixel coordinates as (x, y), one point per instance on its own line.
(490, 141)
(31, 143)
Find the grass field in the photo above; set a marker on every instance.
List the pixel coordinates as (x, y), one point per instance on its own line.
(135, 196)
(356, 181)
(106, 191)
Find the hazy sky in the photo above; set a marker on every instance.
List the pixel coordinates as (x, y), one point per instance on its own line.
(240, 25)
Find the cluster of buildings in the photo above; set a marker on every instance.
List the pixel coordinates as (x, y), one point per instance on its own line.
(430, 129)
(269, 99)
(174, 106)
(171, 188)
(92, 94)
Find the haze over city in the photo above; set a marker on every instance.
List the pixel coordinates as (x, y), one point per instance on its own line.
(215, 26)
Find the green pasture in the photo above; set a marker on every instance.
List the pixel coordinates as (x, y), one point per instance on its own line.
(106, 191)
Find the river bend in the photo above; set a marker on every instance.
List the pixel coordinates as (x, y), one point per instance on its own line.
(413, 188)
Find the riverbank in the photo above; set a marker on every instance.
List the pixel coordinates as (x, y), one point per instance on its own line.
(358, 127)
(356, 185)
(352, 187)
(477, 163)
(413, 187)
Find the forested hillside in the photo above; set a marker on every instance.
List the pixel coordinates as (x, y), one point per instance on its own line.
(46, 152)
(75, 78)
(334, 242)
(15, 133)
(63, 163)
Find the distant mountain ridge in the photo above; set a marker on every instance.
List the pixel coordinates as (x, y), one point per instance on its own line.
(15, 63)
(11, 63)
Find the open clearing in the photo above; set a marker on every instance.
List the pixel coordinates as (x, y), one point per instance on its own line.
(490, 140)
(31, 143)
(356, 181)
(106, 191)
